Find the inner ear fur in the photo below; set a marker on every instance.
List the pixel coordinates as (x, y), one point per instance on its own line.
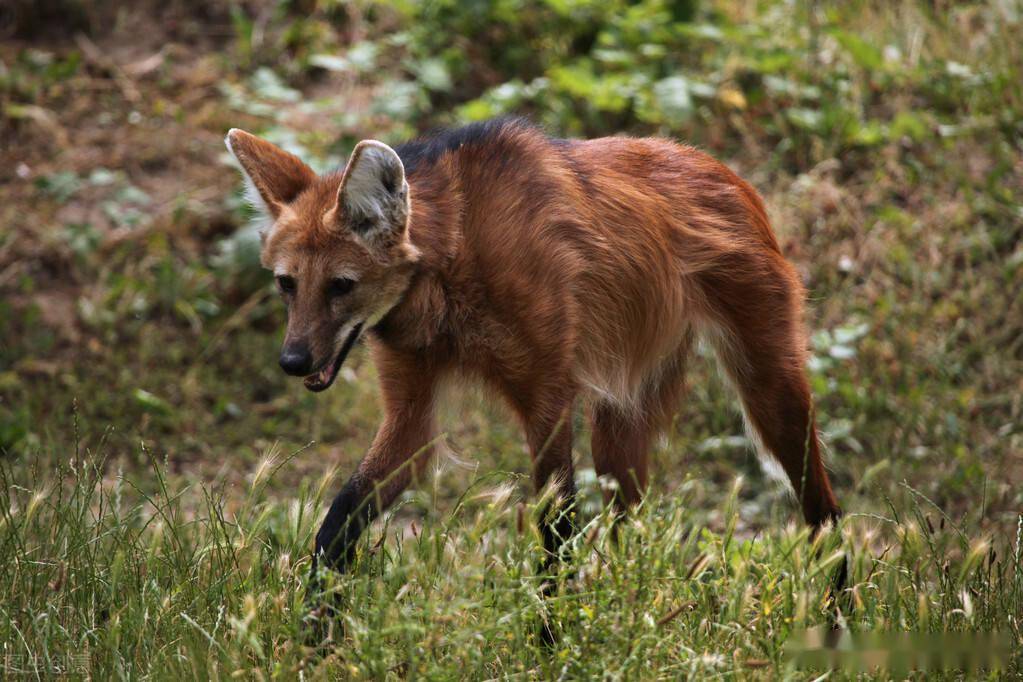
(277, 176)
(373, 199)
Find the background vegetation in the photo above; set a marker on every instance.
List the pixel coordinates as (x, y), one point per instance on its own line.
(162, 478)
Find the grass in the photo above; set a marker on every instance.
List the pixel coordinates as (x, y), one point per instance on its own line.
(110, 574)
(162, 478)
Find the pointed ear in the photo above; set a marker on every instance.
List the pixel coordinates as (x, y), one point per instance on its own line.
(373, 200)
(273, 177)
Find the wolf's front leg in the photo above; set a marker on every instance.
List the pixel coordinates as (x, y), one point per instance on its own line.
(400, 451)
(350, 513)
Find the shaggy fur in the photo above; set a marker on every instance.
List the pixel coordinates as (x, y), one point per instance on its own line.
(547, 269)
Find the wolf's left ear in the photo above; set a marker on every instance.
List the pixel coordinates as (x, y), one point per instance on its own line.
(273, 177)
(373, 200)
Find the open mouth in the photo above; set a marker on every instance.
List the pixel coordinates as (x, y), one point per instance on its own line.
(322, 380)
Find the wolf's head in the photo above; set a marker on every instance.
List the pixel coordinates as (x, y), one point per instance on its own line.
(337, 244)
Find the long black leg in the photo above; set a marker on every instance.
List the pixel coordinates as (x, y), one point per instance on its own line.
(351, 512)
(551, 446)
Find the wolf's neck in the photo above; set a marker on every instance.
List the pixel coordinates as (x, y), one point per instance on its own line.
(435, 229)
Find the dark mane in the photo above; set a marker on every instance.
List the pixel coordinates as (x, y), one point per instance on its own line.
(425, 151)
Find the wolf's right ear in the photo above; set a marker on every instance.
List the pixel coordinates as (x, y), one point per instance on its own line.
(273, 177)
(373, 199)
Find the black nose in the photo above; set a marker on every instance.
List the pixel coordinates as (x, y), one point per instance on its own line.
(296, 359)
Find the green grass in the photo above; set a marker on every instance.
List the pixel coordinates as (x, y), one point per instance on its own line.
(149, 575)
(154, 521)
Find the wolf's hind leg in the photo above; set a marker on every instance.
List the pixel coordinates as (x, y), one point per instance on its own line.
(620, 443)
(548, 423)
(622, 435)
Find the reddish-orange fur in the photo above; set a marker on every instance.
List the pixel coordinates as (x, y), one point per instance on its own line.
(552, 269)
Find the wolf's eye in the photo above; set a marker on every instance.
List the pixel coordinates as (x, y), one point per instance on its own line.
(286, 284)
(339, 286)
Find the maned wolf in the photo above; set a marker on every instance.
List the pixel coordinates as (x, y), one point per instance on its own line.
(550, 269)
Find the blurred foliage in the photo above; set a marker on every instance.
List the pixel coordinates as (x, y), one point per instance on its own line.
(800, 76)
